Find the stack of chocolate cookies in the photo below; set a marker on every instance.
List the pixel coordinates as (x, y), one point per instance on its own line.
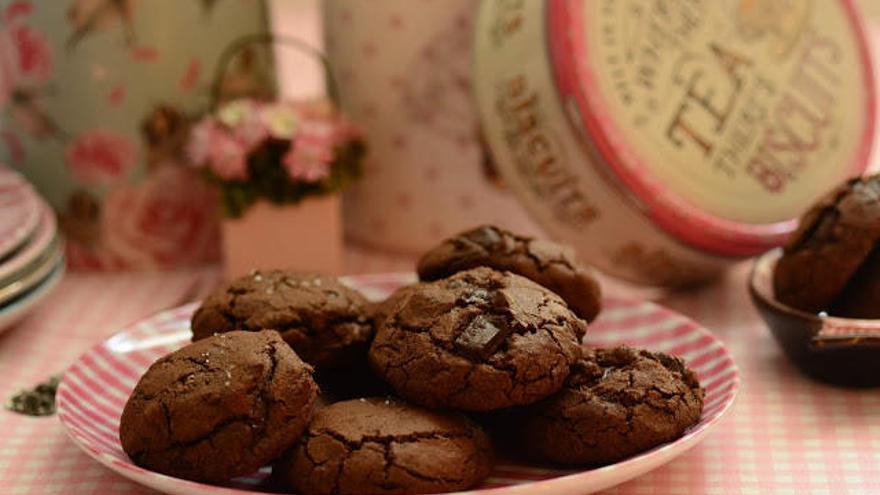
(831, 263)
(490, 337)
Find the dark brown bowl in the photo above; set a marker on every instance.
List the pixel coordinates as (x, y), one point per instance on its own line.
(842, 351)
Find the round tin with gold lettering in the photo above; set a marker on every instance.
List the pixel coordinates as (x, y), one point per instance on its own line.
(666, 140)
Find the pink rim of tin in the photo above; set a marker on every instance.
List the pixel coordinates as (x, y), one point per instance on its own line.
(576, 80)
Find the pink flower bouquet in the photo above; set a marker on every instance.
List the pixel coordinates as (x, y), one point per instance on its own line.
(279, 151)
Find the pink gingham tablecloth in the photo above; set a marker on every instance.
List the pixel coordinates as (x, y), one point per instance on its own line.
(786, 435)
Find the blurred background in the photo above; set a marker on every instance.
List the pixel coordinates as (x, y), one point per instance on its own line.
(99, 98)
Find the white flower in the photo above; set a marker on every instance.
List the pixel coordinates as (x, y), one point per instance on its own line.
(236, 112)
(280, 120)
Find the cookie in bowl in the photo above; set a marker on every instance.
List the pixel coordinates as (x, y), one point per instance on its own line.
(822, 265)
(479, 340)
(834, 348)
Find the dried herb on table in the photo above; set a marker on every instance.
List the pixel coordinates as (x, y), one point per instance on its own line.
(40, 401)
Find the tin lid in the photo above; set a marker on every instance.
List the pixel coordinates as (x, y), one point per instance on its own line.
(722, 120)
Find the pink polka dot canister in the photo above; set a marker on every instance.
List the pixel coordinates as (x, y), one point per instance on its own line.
(404, 72)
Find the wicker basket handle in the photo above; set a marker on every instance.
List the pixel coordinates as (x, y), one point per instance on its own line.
(227, 56)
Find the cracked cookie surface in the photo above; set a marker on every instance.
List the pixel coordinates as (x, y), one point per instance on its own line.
(218, 408)
(549, 264)
(616, 403)
(834, 239)
(383, 446)
(479, 340)
(325, 322)
(382, 309)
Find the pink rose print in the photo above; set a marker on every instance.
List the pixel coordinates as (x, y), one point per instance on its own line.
(228, 157)
(116, 96)
(17, 9)
(25, 59)
(14, 146)
(80, 258)
(34, 54)
(95, 258)
(144, 54)
(170, 219)
(190, 76)
(9, 73)
(87, 16)
(25, 65)
(100, 157)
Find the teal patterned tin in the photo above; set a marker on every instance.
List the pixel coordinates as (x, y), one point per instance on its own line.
(96, 101)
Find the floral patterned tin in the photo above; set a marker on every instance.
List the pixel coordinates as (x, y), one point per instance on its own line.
(666, 140)
(96, 99)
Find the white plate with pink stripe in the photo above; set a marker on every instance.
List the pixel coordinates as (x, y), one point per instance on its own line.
(95, 388)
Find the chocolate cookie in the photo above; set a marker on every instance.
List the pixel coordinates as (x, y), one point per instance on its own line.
(382, 309)
(218, 408)
(479, 340)
(547, 263)
(325, 322)
(382, 446)
(860, 297)
(616, 403)
(833, 240)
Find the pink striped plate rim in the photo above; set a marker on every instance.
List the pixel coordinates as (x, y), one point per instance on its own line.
(20, 210)
(95, 388)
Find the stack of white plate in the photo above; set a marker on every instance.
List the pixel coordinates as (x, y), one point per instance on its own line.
(31, 251)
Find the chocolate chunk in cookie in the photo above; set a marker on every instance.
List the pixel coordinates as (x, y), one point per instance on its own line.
(547, 263)
(218, 408)
(325, 322)
(616, 403)
(382, 446)
(479, 340)
(833, 241)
